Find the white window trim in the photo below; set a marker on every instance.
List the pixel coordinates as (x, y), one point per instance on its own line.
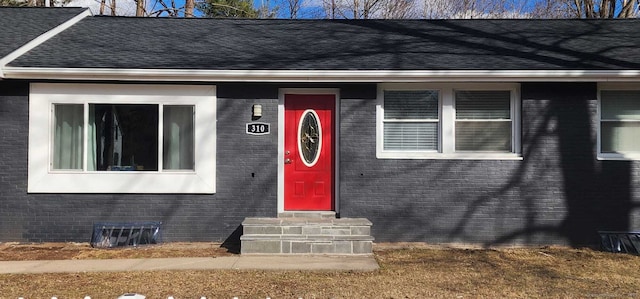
(42, 179)
(446, 126)
(612, 156)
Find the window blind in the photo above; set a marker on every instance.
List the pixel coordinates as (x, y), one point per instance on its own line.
(411, 136)
(483, 121)
(483, 104)
(411, 120)
(411, 104)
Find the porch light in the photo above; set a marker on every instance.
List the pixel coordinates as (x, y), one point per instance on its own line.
(257, 111)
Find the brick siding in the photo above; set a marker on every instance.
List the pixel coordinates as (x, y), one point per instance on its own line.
(246, 183)
(559, 194)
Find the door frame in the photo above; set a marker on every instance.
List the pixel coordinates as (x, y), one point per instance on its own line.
(330, 91)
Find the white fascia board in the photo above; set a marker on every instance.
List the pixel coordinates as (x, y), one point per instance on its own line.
(190, 75)
(39, 40)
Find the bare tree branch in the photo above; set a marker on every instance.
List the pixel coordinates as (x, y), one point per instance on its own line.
(140, 8)
(189, 6)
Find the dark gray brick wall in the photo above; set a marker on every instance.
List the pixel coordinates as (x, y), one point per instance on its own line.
(13, 158)
(246, 182)
(558, 194)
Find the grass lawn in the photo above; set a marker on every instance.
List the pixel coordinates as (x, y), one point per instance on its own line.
(406, 272)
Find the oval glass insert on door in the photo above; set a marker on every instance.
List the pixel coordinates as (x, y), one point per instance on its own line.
(309, 137)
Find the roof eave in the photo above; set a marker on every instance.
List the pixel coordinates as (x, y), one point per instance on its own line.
(190, 75)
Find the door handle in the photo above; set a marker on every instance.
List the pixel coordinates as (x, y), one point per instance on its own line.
(287, 161)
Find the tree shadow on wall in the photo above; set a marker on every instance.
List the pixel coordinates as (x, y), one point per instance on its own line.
(597, 194)
(588, 195)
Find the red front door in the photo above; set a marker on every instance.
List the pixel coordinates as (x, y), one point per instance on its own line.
(308, 152)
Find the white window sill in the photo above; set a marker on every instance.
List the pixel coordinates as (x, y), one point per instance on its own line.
(619, 157)
(122, 182)
(451, 156)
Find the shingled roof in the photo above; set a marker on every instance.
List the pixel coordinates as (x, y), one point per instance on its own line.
(232, 44)
(20, 25)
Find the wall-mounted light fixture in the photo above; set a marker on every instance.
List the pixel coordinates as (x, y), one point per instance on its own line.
(256, 111)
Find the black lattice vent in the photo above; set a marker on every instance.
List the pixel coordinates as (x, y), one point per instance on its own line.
(108, 235)
(620, 242)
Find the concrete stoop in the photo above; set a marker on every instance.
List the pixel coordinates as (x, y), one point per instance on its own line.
(306, 235)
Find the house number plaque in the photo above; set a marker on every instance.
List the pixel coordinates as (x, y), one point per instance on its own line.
(258, 128)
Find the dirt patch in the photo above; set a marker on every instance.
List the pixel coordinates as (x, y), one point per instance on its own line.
(15, 251)
(77, 251)
(408, 270)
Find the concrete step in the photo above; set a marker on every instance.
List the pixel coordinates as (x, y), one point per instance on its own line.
(306, 235)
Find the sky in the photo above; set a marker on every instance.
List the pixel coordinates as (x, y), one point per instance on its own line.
(310, 7)
(127, 7)
(124, 7)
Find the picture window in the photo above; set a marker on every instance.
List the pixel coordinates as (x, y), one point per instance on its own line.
(107, 138)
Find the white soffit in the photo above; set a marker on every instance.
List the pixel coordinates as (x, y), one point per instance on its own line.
(321, 75)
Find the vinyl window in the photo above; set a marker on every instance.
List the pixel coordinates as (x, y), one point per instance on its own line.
(483, 121)
(448, 121)
(619, 131)
(123, 137)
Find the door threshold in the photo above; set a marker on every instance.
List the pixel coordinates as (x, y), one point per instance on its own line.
(308, 214)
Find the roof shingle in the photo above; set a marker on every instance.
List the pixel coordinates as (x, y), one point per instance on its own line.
(20, 25)
(232, 44)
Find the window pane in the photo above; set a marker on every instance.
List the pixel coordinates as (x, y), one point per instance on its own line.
(411, 136)
(92, 162)
(487, 136)
(417, 104)
(68, 134)
(483, 104)
(620, 137)
(620, 104)
(126, 137)
(178, 147)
